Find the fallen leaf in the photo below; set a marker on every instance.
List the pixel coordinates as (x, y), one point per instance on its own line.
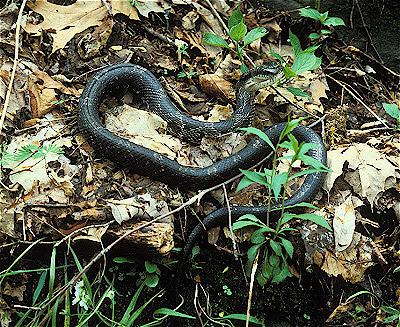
(145, 6)
(65, 21)
(124, 7)
(218, 87)
(344, 223)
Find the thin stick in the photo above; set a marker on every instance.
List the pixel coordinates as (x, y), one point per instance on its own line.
(16, 52)
(235, 249)
(347, 88)
(252, 277)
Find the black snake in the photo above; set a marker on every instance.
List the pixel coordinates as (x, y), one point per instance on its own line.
(117, 79)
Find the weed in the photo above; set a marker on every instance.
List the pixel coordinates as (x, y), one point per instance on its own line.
(324, 19)
(185, 74)
(393, 111)
(273, 242)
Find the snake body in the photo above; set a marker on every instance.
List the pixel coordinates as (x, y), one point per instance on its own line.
(117, 79)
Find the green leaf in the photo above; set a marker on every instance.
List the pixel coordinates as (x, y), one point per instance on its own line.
(260, 134)
(311, 49)
(304, 172)
(314, 36)
(391, 318)
(254, 35)
(216, 40)
(243, 68)
(243, 223)
(288, 246)
(323, 17)
(244, 182)
(304, 62)
(326, 32)
(297, 92)
(390, 310)
(151, 280)
(310, 13)
(251, 255)
(397, 269)
(150, 266)
(257, 237)
(392, 110)
(282, 275)
(277, 56)
(274, 260)
(237, 32)
(301, 204)
(277, 182)
(236, 18)
(315, 218)
(334, 21)
(289, 73)
(360, 293)
(255, 176)
(243, 317)
(39, 287)
(294, 40)
(313, 162)
(173, 313)
(276, 247)
(287, 217)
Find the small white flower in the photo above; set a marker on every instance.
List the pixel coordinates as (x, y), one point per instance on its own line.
(81, 296)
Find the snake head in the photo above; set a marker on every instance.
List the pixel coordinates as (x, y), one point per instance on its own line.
(261, 76)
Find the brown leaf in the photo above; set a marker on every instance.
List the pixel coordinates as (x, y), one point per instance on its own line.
(218, 87)
(66, 21)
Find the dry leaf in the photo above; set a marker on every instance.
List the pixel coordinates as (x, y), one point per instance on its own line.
(218, 87)
(145, 6)
(66, 21)
(344, 223)
(124, 7)
(42, 92)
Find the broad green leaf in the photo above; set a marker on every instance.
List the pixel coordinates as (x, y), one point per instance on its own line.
(236, 18)
(313, 162)
(282, 275)
(244, 182)
(277, 56)
(173, 313)
(315, 218)
(288, 246)
(216, 40)
(258, 237)
(294, 143)
(297, 92)
(301, 204)
(294, 40)
(277, 182)
(324, 16)
(391, 318)
(266, 270)
(238, 31)
(392, 110)
(310, 13)
(260, 279)
(244, 223)
(334, 21)
(276, 247)
(274, 260)
(289, 73)
(326, 32)
(254, 35)
(150, 266)
(151, 280)
(305, 147)
(397, 269)
(287, 229)
(304, 62)
(255, 176)
(287, 216)
(260, 134)
(243, 68)
(314, 36)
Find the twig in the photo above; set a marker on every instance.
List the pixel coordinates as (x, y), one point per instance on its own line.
(235, 249)
(347, 88)
(366, 30)
(16, 52)
(160, 36)
(291, 102)
(252, 277)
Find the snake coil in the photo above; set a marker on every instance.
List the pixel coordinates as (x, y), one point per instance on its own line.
(117, 79)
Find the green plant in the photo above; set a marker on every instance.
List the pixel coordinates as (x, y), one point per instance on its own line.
(185, 74)
(182, 49)
(27, 151)
(325, 20)
(272, 243)
(238, 33)
(393, 111)
(304, 60)
(395, 314)
(227, 290)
